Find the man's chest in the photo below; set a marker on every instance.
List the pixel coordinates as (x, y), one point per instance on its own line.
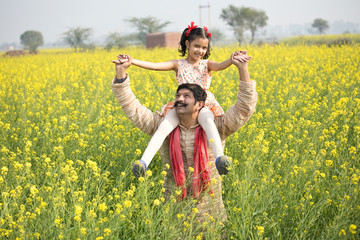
(187, 143)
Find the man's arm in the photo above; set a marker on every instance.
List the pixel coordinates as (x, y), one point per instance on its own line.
(239, 114)
(139, 115)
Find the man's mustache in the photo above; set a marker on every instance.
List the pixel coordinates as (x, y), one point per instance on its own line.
(180, 104)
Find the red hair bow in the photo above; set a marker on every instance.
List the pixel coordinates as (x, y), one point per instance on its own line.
(190, 27)
(205, 28)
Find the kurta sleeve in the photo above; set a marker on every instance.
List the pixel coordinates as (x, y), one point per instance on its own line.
(239, 113)
(139, 115)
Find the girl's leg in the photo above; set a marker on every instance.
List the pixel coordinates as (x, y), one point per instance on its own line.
(206, 120)
(170, 122)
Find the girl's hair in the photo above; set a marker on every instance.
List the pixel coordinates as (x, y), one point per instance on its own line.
(194, 34)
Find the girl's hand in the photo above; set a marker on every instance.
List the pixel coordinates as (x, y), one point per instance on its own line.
(121, 64)
(123, 58)
(240, 58)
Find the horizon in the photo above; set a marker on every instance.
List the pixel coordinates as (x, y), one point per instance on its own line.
(54, 18)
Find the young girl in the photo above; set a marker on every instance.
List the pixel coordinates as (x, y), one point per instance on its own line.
(195, 68)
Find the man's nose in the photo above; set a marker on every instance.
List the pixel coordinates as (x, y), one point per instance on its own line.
(180, 98)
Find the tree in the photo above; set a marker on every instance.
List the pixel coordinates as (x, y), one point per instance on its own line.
(32, 40)
(77, 37)
(253, 19)
(216, 35)
(232, 17)
(147, 25)
(115, 40)
(244, 18)
(320, 25)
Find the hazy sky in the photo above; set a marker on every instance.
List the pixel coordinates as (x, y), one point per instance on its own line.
(53, 17)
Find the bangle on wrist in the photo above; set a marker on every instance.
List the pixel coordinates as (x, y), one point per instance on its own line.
(120, 80)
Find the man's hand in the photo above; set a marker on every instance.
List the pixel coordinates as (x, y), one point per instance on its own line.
(240, 60)
(121, 65)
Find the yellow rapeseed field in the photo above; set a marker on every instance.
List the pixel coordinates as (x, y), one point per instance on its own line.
(66, 148)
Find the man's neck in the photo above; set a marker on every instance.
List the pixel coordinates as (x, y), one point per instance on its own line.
(189, 121)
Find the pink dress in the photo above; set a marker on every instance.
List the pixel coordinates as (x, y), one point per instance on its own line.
(200, 75)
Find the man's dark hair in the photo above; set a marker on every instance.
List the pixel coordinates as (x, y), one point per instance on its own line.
(198, 92)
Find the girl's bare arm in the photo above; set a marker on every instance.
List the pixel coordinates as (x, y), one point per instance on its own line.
(160, 66)
(215, 66)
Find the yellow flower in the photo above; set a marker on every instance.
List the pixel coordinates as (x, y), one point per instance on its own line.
(102, 207)
(149, 173)
(156, 202)
(127, 203)
(4, 170)
(34, 190)
(342, 232)
(195, 210)
(352, 228)
(141, 179)
(83, 230)
(107, 232)
(329, 163)
(260, 230)
(137, 151)
(191, 169)
(57, 221)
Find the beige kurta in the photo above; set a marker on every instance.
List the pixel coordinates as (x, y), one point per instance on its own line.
(231, 121)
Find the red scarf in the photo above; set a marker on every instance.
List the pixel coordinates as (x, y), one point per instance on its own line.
(201, 177)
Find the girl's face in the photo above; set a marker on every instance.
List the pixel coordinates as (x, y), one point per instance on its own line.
(197, 48)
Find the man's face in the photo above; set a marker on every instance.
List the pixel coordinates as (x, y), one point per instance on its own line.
(185, 102)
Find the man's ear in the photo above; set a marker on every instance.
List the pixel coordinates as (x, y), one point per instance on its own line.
(200, 104)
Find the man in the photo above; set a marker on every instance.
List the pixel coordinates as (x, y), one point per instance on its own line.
(179, 150)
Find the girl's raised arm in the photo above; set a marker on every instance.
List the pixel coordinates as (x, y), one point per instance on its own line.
(215, 66)
(160, 66)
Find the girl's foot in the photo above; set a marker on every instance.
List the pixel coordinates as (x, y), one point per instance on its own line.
(139, 168)
(223, 164)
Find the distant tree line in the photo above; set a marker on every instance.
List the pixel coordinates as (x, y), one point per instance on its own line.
(239, 19)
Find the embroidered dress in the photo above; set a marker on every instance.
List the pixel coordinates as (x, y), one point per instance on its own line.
(200, 75)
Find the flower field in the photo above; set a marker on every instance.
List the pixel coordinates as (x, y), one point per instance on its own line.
(66, 148)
